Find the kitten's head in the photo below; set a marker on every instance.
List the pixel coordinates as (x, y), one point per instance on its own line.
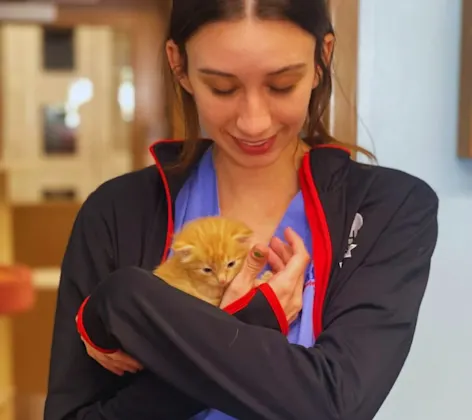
(212, 249)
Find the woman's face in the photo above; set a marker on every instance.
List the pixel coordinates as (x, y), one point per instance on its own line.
(251, 81)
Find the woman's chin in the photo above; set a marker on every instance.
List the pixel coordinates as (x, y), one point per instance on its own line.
(258, 161)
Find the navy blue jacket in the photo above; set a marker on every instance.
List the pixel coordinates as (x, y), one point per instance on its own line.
(370, 282)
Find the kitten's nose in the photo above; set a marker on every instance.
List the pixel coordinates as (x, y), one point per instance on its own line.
(222, 279)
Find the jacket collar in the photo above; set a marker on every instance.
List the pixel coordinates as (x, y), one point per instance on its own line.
(166, 153)
(329, 166)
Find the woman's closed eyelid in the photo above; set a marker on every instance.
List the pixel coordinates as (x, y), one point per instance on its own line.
(274, 89)
(223, 91)
(286, 89)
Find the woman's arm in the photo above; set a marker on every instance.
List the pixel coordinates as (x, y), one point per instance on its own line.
(79, 388)
(254, 373)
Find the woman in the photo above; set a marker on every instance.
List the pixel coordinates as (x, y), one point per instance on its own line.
(254, 75)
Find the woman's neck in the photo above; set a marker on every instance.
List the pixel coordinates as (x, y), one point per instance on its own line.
(273, 185)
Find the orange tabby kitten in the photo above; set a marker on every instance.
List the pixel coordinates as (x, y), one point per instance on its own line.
(208, 253)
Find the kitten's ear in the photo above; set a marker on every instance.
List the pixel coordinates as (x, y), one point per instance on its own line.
(243, 237)
(183, 251)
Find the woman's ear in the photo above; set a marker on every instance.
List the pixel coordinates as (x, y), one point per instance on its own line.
(177, 65)
(327, 56)
(328, 48)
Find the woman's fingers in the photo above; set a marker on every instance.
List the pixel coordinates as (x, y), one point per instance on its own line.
(294, 271)
(126, 362)
(284, 251)
(122, 361)
(255, 262)
(115, 364)
(300, 259)
(275, 262)
(112, 368)
(118, 362)
(105, 361)
(296, 243)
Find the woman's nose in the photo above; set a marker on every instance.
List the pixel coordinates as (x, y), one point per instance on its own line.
(254, 119)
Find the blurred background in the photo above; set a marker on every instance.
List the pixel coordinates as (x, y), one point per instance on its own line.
(83, 94)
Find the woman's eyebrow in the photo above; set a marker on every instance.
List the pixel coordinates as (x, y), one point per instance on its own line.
(215, 72)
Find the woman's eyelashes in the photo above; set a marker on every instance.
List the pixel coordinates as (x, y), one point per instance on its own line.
(273, 89)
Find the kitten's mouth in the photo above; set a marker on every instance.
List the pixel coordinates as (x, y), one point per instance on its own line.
(223, 283)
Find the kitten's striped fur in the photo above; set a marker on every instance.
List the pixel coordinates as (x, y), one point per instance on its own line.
(207, 254)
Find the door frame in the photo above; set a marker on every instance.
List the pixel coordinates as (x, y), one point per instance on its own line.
(342, 114)
(465, 101)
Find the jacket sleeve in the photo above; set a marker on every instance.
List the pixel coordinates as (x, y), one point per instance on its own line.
(79, 388)
(260, 307)
(254, 373)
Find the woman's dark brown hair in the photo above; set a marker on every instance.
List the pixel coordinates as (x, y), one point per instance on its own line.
(188, 16)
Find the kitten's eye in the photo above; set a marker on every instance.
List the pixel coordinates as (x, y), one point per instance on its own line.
(207, 270)
(231, 264)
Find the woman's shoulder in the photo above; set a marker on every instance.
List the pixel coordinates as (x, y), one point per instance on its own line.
(133, 193)
(384, 184)
(334, 170)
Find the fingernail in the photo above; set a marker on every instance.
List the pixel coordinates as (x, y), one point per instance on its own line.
(258, 254)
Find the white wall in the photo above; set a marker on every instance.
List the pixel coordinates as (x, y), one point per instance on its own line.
(408, 96)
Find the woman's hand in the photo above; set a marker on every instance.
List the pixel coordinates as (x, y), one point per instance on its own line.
(288, 262)
(289, 273)
(246, 279)
(117, 362)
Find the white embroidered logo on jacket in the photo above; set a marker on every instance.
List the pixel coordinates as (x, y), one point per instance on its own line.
(355, 228)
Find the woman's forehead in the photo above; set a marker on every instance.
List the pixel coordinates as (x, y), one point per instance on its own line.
(267, 44)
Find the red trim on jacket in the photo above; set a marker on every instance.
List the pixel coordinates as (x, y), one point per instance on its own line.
(271, 298)
(170, 216)
(241, 303)
(81, 329)
(323, 253)
(274, 302)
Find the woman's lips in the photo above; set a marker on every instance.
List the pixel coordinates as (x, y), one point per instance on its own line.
(252, 147)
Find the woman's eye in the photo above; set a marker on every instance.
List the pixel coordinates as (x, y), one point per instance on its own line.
(221, 92)
(231, 264)
(207, 270)
(287, 89)
(229, 92)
